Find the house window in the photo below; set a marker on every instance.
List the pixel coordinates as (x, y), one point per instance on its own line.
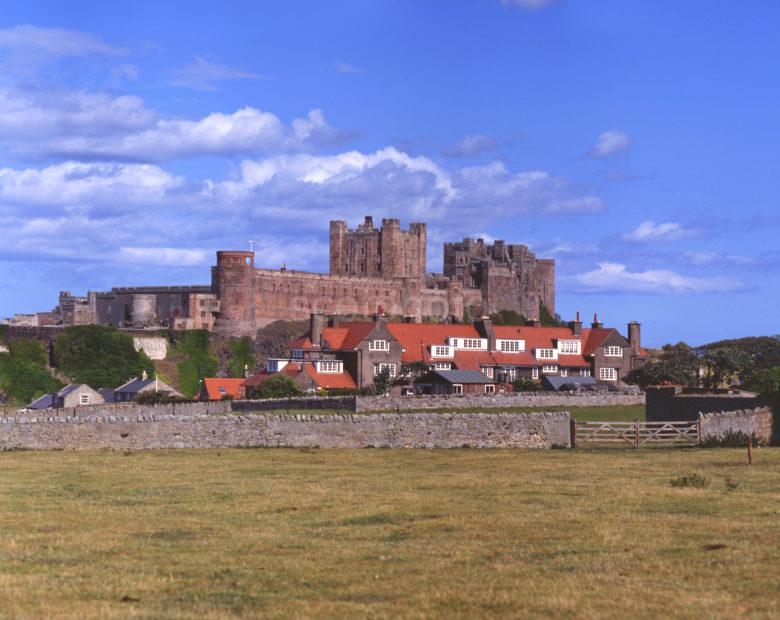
(490, 389)
(457, 388)
(84, 399)
(326, 366)
(487, 371)
(584, 372)
(442, 366)
(564, 372)
(613, 351)
(221, 389)
(545, 354)
(296, 354)
(569, 347)
(440, 351)
(472, 343)
(510, 346)
(381, 367)
(608, 374)
(510, 374)
(549, 369)
(378, 345)
(535, 372)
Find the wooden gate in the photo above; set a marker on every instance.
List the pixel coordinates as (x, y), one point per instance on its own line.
(634, 434)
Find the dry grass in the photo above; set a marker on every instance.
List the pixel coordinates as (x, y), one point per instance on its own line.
(389, 533)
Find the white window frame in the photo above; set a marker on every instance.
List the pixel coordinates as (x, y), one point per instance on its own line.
(584, 372)
(457, 388)
(84, 399)
(490, 388)
(613, 351)
(510, 346)
(564, 372)
(608, 374)
(441, 366)
(441, 350)
(569, 347)
(511, 373)
(487, 371)
(378, 345)
(550, 369)
(469, 344)
(329, 367)
(546, 354)
(535, 372)
(379, 367)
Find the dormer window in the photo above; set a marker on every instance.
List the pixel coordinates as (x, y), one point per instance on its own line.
(329, 366)
(471, 344)
(510, 346)
(378, 345)
(546, 354)
(296, 354)
(438, 350)
(569, 347)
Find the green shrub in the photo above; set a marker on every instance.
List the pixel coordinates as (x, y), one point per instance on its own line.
(198, 363)
(694, 481)
(278, 386)
(523, 384)
(23, 372)
(240, 356)
(731, 439)
(99, 356)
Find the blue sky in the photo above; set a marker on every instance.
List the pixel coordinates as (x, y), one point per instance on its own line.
(634, 142)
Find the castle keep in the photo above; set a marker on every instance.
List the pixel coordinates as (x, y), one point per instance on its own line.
(383, 270)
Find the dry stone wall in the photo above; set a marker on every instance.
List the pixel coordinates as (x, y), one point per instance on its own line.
(753, 422)
(541, 400)
(146, 428)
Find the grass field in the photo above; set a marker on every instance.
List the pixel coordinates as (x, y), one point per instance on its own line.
(389, 533)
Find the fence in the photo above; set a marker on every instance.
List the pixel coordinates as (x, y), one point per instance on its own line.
(635, 434)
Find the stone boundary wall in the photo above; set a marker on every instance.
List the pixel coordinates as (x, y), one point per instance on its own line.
(665, 404)
(346, 403)
(758, 422)
(144, 430)
(477, 401)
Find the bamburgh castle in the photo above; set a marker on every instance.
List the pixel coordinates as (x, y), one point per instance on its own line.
(372, 271)
(383, 270)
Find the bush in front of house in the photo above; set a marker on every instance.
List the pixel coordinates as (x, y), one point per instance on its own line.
(277, 386)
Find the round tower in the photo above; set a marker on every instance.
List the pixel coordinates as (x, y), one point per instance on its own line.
(233, 282)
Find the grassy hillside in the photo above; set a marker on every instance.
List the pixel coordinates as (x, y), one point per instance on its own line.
(389, 533)
(24, 374)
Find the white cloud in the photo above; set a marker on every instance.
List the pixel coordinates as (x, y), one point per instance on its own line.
(345, 67)
(204, 74)
(667, 231)
(164, 256)
(704, 259)
(529, 4)
(580, 204)
(616, 278)
(609, 143)
(471, 145)
(81, 125)
(32, 43)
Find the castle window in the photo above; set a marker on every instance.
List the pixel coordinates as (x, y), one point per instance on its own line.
(378, 345)
(613, 351)
(608, 374)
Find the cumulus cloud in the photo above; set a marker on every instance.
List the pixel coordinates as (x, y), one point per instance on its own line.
(649, 231)
(616, 278)
(89, 126)
(471, 145)
(529, 4)
(204, 74)
(609, 143)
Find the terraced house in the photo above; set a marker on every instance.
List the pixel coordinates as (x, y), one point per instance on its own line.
(500, 353)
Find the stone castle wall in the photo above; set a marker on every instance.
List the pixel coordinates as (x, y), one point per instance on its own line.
(151, 427)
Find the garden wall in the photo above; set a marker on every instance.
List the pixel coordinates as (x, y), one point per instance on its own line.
(666, 404)
(477, 401)
(144, 429)
(757, 422)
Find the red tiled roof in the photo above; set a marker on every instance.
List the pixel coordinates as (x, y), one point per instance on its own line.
(341, 380)
(301, 343)
(417, 338)
(472, 360)
(572, 361)
(292, 369)
(229, 387)
(515, 359)
(593, 338)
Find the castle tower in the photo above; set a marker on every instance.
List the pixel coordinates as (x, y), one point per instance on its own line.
(233, 282)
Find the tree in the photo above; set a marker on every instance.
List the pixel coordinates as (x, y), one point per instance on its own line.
(382, 381)
(547, 319)
(677, 364)
(272, 340)
(277, 386)
(766, 382)
(99, 356)
(523, 384)
(722, 364)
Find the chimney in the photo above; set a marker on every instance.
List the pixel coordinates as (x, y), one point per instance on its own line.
(596, 323)
(635, 337)
(485, 329)
(316, 324)
(246, 371)
(144, 376)
(533, 323)
(576, 326)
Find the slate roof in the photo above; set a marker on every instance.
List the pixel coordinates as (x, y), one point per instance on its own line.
(44, 402)
(557, 383)
(107, 394)
(461, 376)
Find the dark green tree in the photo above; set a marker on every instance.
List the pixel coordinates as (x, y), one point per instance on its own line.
(523, 384)
(547, 319)
(278, 386)
(722, 364)
(677, 364)
(382, 382)
(507, 317)
(766, 382)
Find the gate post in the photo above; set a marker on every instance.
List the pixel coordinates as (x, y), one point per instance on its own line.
(636, 434)
(573, 432)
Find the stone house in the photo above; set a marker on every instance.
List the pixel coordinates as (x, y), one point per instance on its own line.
(72, 395)
(129, 391)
